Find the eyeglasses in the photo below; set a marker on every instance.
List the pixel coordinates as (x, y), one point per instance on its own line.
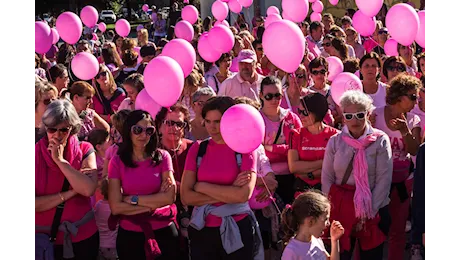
(327, 44)
(101, 74)
(358, 115)
(48, 101)
(316, 72)
(412, 97)
(179, 124)
(52, 130)
(137, 130)
(396, 68)
(303, 112)
(270, 96)
(383, 32)
(300, 76)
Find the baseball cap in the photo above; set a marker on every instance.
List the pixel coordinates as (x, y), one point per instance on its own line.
(247, 56)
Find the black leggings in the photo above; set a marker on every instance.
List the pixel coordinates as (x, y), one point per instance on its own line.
(285, 187)
(374, 254)
(207, 244)
(130, 244)
(87, 249)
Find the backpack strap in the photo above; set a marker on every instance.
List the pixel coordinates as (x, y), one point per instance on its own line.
(201, 152)
(58, 213)
(239, 159)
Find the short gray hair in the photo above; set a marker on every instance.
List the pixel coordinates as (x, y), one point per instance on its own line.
(206, 91)
(60, 111)
(354, 97)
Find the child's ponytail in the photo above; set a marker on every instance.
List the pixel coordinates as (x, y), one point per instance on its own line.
(289, 223)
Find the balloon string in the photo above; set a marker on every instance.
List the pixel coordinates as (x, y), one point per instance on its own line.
(271, 196)
(300, 91)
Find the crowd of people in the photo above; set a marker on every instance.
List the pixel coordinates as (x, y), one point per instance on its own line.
(115, 182)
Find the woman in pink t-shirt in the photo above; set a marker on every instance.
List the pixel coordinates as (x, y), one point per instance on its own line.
(133, 84)
(370, 65)
(218, 177)
(58, 157)
(295, 89)
(145, 174)
(403, 128)
(407, 53)
(278, 123)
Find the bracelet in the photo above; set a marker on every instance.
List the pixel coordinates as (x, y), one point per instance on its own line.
(61, 196)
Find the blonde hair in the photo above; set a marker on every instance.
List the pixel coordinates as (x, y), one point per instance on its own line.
(145, 37)
(247, 34)
(112, 84)
(41, 87)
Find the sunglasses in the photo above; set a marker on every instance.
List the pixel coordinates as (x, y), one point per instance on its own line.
(171, 123)
(383, 32)
(101, 74)
(47, 101)
(303, 112)
(300, 76)
(316, 72)
(397, 68)
(358, 115)
(52, 130)
(270, 96)
(327, 44)
(137, 130)
(412, 97)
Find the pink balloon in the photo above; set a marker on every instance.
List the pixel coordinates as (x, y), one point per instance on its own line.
(43, 37)
(316, 17)
(363, 24)
(145, 7)
(334, 2)
(286, 17)
(420, 38)
(102, 27)
(221, 38)
(296, 10)
(284, 33)
(391, 47)
(272, 18)
(190, 14)
(122, 27)
(272, 10)
(206, 50)
(94, 37)
(317, 7)
(69, 27)
(223, 22)
(219, 10)
(235, 6)
(369, 7)
(253, 203)
(164, 80)
(335, 67)
(139, 27)
(246, 3)
(85, 66)
(145, 102)
(138, 50)
(184, 30)
(239, 119)
(89, 16)
(225, 1)
(183, 53)
(403, 23)
(55, 35)
(343, 82)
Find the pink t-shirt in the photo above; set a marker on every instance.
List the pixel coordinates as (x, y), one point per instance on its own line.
(107, 237)
(298, 250)
(417, 111)
(114, 104)
(111, 152)
(369, 44)
(219, 166)
(401, 159)
(234, 67)
(145, 179)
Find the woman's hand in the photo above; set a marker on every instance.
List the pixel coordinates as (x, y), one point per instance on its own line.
(166, 185)
(336, 230)
(57, 150)
(272, 184)
(127, 199)
(400, 124)
(242, 179)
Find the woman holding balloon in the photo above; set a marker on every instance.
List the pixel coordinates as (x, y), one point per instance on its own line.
(296, 87)
(278, 123)
(370, 66)
(219, 182)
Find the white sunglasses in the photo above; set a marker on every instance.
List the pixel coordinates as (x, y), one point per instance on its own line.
(359, 115)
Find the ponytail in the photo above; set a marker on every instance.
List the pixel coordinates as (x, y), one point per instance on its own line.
(289, 224)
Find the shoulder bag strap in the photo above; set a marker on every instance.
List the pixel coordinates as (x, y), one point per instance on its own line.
(58, 213)
(348, 171)
(279, 132)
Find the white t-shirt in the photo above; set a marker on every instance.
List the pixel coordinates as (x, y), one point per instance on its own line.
(298, 250)
(379, 97)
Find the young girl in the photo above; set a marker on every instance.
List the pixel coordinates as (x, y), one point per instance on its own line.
(107, 237)
(101, 141)
(304, 223)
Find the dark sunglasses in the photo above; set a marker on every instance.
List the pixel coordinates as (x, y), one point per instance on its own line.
(303, 112)
(47, 101)
(316, 72)
(397, 68)
(52, 130)
(383, 32)
(171, 123)
(412, 97)
(358, 115)
(101, 74)
(137, 130)
(327, 44)
(270, 96)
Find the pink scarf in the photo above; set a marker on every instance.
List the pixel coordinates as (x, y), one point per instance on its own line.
(363, 195)
(44, 162)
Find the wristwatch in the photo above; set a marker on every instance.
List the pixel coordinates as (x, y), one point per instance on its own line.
(134, 200)
(310, 176)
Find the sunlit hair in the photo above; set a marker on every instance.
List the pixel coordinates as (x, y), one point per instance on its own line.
(61, 111)
(112, 84)
(400, 86)
(354, 97)
(41, 87)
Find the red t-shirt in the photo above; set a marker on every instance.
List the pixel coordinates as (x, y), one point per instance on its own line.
(311, 147)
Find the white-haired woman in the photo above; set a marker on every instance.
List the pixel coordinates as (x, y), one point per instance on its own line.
(356, 175)
(65, 178)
